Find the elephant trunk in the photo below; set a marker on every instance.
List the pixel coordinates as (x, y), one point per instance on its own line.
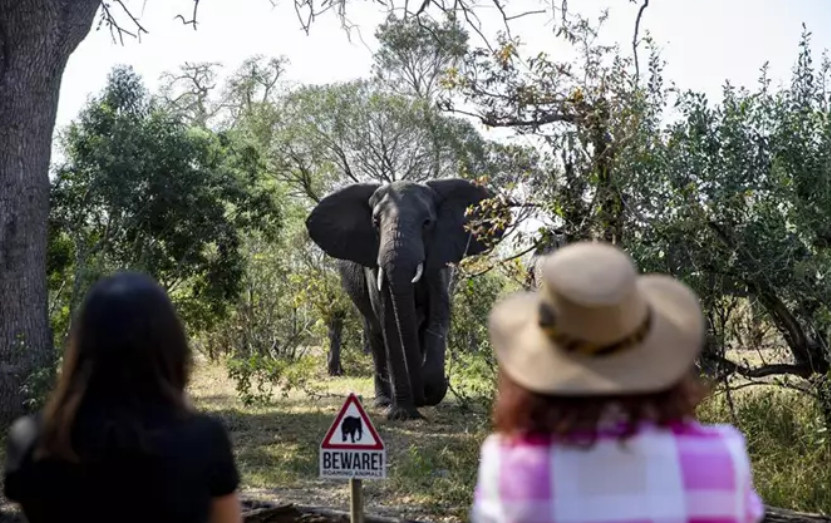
(402, 299)
(399, 260)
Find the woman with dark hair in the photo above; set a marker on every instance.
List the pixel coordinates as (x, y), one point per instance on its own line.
(595, 410)
(117, 439)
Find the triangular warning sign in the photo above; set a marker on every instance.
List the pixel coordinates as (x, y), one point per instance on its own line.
(352, 429)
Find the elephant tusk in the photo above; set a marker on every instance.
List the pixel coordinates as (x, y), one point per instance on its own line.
(380, 278)
(419, 271)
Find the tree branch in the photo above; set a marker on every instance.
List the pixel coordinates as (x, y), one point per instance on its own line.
(116, 28)
(635, 38)
(192, 20)
(492, 120)
(421, 9)
(773, 369)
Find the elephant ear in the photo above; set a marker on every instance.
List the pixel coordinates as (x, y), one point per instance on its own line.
(451, 242)
(341, 224)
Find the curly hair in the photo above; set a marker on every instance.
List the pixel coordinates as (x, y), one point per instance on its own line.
(575, 419)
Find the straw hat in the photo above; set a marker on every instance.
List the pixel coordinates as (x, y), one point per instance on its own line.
(597, 327)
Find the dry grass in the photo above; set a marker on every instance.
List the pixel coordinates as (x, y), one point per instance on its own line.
(432, 462)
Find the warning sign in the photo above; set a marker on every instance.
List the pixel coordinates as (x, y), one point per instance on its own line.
(352, 447)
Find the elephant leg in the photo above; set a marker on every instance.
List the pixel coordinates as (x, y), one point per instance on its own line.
(399, 363)
(359, 283)
(435, 381)
(435, 339)
(383, 393)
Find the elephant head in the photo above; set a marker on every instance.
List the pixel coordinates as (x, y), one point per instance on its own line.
(406, 233)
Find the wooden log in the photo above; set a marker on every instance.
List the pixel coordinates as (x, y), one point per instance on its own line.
(259, 512)
(781, 515)
(290, 513)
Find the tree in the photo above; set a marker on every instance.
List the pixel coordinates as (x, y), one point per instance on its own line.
(415, 54)
(747, 181)
(37, 38)
(324, 291)
(731, 198)
(345, 133)
(188, 92)
(141, 190)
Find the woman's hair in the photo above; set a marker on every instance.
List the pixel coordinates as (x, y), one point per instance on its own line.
(519, 411)
(127, 354)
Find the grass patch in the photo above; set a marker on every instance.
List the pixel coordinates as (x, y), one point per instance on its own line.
(788, 445)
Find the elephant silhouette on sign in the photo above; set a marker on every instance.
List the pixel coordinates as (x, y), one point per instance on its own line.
(350, 426)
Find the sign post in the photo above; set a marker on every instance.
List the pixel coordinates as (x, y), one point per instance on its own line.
(356, 501)
(353, 450)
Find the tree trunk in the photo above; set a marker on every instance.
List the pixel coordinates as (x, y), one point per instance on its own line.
(335, 327)
(36, 39)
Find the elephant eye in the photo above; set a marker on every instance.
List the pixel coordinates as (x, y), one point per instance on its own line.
(375, 221)
(427, 222)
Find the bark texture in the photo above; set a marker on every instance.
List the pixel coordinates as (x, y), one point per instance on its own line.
(36, 39)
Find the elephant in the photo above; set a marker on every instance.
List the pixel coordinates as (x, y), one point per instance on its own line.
(393, 244)
(350, 426)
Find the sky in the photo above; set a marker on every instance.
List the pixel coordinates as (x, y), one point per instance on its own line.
(704, 42)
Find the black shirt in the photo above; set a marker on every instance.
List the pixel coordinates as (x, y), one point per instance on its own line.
(171, 477)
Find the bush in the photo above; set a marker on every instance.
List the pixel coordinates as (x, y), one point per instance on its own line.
(470, 361)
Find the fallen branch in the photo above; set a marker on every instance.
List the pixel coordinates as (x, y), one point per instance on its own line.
(264, 512)
(261, 512)
(803, 370)
(781, 515)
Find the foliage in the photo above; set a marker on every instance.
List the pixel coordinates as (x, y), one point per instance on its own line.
(279, 324)
(747, 185)
(414, 54)
(470, 360)
(258, 375)
(140, 190)
(729, 198)
(247, 101)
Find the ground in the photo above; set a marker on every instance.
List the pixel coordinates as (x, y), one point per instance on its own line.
(432, 462)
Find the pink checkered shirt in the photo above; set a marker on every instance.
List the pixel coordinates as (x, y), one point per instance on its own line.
(688, 473)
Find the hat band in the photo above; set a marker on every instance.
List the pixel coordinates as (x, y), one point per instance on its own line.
(579, 346)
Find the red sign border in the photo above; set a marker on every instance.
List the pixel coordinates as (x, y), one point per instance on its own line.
(352, 398)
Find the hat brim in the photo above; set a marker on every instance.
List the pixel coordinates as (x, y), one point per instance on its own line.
(667, 352)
